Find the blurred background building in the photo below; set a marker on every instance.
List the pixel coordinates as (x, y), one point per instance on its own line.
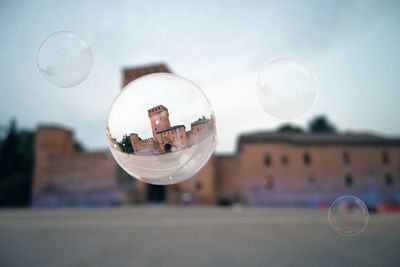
(288, 167)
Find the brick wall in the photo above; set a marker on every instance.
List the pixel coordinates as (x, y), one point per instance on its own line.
(64, 177)
(321, 180)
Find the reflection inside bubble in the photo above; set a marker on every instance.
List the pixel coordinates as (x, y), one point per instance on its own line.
(161, 147)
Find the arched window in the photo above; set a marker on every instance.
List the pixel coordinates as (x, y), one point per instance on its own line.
(285, 160)
(267, 160)
(388, 179)
(307, 159)
(348, 180)
(385, 158)
(346, 158)
(198, 186)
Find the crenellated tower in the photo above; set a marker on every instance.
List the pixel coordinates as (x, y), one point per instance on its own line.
(159, 118)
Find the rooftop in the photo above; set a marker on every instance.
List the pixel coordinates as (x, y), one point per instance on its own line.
(171, 128)
(131, 74)
(200, 121)
(351, 139)
(56, 127)
(157, 109)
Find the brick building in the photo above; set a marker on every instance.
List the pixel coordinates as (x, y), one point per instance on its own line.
(166, 138)
(267, 169)
(310, 169)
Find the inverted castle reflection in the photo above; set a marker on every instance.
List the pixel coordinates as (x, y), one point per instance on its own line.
(166, 138)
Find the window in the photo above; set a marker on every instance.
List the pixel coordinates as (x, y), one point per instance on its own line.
(306, 159)
(267, 160)
(269, 182)
(346, 158)
(311, 179)
(285, 160)
(348, 180)
(198, 186)
(388, 179)
(385, 158)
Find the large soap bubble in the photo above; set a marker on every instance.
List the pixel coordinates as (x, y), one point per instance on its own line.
(348, 215)
(161, 129)
(64, 58)
(286, 88)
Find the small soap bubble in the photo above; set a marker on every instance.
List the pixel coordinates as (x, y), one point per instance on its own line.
(64, 58)
(286, 88)
(348, 215)
(161, 129)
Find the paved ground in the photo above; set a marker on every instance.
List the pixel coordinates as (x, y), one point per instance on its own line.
(172, 236)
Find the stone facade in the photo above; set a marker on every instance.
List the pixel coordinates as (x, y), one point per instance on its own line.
(166, 138)
(267, 169)
(64, 177)
(311, 169)
(199, 130)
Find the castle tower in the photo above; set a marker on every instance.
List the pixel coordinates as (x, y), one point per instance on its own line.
(50, 142)
(134, 138)
(159, 118)
(131, 74)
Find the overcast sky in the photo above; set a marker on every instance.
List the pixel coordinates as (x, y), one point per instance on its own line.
(351, 46)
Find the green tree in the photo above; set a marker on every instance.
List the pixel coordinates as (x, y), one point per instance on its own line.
(289, 128)
(126, 144)
(16, 164)
(78, 146)
(321, 124)
(9, 155)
